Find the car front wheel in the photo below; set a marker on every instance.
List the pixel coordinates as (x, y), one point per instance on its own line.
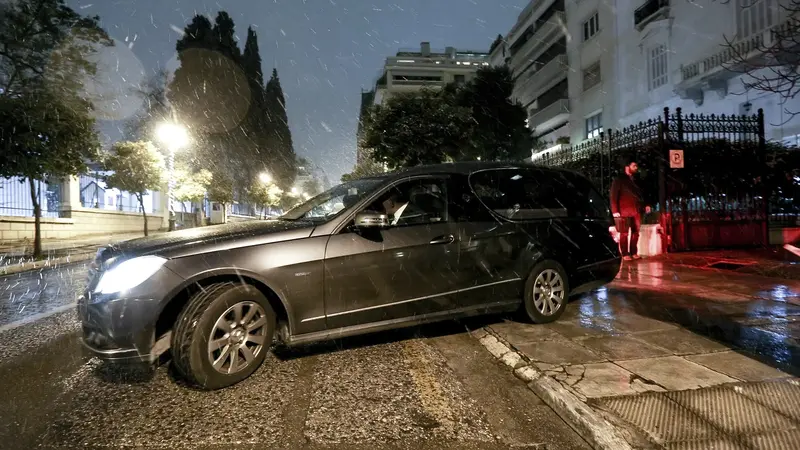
(546, 292)
(222, 335)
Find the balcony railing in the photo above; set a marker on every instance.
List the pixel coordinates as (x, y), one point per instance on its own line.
(739, 51)
(416, 82)
(542, 39)
(437, 61)
(649, 11)
(534, 83)
(550, 116)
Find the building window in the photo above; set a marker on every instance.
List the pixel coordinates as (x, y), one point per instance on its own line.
(657, 67)
(459, 79)
(753, 16)
(591, 27)
(593, 126)
(591, 76)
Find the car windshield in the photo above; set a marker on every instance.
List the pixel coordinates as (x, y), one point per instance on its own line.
(330, 203)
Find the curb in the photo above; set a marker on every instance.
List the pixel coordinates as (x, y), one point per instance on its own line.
(28, 265)
(589, 424)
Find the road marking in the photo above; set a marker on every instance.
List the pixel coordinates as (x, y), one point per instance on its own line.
(429, 391)
(36, 317)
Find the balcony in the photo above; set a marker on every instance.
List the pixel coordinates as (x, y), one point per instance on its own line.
(534, 83)
(651, 11)
(438, 61)
(542, 39)
(550, 116)
(715, 71)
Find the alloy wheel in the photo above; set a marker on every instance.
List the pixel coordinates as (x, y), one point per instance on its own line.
(548, 292)
(238, 337)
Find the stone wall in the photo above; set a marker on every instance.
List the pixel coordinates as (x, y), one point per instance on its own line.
(83, 222)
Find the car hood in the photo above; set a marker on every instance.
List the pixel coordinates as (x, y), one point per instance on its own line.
(199, 238)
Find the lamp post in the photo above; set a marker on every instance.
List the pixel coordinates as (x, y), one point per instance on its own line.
(174, 137)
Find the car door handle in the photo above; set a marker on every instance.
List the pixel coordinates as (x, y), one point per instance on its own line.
(448, 239)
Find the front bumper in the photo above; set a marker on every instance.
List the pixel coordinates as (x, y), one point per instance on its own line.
(119, 330)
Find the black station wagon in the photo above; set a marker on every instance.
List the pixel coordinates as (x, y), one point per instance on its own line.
(426, 244)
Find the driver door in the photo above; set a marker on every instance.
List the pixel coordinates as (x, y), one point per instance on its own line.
(399, 271)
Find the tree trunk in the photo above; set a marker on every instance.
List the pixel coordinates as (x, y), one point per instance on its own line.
(144, 212)
(37, 219)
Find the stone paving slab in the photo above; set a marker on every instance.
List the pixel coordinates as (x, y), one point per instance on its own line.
(623, 347)
(562, 351)
(737, 365)
(675, 373)
(681, 342)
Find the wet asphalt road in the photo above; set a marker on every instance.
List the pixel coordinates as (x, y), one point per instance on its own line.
(428, 387)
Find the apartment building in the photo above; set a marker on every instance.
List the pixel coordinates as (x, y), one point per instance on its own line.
(535, 49)
(583, 66)
(412, 69)
(675, 54)
(591, 48)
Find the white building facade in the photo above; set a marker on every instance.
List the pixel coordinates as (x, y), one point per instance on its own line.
(535, 49)
(584, 66)
(678, 54)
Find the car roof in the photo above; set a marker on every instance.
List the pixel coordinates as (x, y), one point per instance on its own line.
(464, 168)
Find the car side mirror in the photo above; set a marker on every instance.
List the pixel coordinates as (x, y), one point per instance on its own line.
(371, 219)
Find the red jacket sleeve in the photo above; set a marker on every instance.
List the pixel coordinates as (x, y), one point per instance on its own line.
(615, 188)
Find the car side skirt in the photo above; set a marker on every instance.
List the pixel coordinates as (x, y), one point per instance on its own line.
(355, 330)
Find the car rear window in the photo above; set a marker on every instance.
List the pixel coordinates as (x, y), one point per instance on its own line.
(529, 194)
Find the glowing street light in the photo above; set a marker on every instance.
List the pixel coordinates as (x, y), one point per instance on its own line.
(174, 137)
(265, 178)
(294, 190)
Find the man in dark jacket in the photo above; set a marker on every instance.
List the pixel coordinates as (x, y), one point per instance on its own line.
(627, 204)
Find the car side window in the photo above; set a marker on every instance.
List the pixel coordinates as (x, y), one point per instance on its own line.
(518, 194)
(465, 206)
(414, 202)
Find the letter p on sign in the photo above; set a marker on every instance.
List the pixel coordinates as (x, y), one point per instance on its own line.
(676, 159)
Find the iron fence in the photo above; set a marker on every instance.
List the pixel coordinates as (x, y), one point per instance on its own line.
(734, 181)
(15, 197)
(95, 193)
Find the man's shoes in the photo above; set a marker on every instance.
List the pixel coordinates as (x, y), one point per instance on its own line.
(627, 258)
(637, 257)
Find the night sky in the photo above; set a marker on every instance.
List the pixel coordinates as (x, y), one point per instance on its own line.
(326, 51)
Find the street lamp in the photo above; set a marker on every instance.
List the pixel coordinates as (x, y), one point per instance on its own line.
(174, 137)
(265, 178)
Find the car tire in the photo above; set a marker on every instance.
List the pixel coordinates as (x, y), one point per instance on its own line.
(547, 280)
(202, 325)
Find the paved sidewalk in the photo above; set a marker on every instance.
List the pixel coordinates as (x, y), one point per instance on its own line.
(15, 256)
(669, 358)
(775, 262)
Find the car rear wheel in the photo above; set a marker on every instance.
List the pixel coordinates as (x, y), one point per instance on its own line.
(222, 335)
(546, 292)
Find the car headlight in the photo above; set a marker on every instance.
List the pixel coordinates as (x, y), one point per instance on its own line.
(129, 274)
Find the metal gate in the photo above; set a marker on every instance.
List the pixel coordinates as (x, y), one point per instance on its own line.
(702, 206)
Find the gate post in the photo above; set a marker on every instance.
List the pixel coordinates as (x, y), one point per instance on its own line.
(766, 193)
(663, 154)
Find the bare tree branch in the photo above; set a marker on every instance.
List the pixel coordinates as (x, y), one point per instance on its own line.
(769, 59)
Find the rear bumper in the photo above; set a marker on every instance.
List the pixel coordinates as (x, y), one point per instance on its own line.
(596, 275)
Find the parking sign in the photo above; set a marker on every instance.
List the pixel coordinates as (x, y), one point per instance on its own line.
(676, 159)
